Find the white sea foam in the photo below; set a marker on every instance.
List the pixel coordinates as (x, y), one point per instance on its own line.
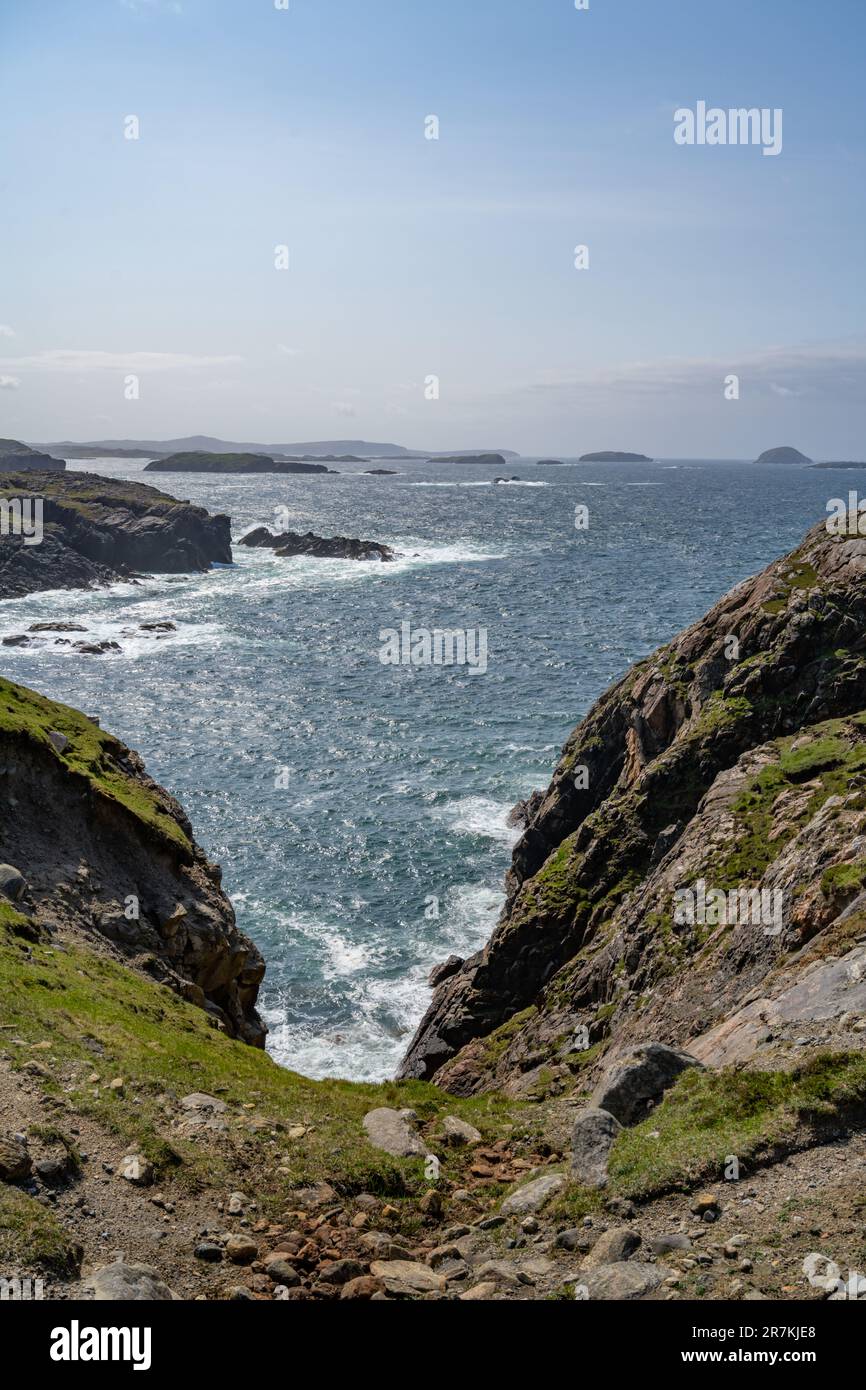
(385, 1008)
(478, 815)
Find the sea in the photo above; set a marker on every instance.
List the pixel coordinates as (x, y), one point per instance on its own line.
(359, 808)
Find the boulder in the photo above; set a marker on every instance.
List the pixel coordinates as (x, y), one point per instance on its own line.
(339, 1271)
(612, 1246)
(623, 1281)
(458, 1133)
(282, 1272)
(638, 1078)
(406, 1278)
(241, 1250)
(391, 1131)
(362, 1287)
(13, 884)
(591, 1142)
(127, 1283)
(15, 1161)
(533, 1195)
(136, 1169)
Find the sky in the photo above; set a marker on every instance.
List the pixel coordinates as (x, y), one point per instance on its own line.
(452, 258)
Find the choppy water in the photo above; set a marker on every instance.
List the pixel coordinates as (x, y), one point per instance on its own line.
(399, 778)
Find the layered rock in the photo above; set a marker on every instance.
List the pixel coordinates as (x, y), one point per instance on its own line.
(732, 757)
(96, 530)
(102, 852)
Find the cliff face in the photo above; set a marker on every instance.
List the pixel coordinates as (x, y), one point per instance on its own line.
(107, 855)
(733, 758)
(96, 530)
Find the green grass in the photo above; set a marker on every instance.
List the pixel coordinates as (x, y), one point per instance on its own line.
(709, 1116)
(91, 754)
(843, 878)
(102, 1017)
(834, 755)
(31, 1237)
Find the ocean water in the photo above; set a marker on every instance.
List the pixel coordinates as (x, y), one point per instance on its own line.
(359, 809)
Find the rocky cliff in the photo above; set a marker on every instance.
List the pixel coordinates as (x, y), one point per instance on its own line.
(95, 530)
(97, 851)
(733, 759)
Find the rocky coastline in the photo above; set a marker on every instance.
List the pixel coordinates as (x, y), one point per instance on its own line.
(548, 1137)
(99, 530)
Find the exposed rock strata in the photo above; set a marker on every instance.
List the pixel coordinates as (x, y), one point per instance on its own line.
(741, 764)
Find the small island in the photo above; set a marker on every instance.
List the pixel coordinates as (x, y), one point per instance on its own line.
(614, 456)
(231, 463)
(549, 463)
(847, 463)
(784, 454)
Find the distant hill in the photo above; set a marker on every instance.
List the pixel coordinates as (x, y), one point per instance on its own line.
(614, 456)
(16, 457)
(784, 454)
(203, 443)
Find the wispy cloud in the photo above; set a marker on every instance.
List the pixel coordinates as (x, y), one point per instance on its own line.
(835, 369)
(6, 331)
(9, 383)
(83, 360)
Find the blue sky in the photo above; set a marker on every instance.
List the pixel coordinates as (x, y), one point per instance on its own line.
(411, 258)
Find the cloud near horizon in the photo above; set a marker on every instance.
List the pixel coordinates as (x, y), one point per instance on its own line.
(834, 370)
(85, 360)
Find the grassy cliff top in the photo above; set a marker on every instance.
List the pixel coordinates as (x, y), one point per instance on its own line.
(90, 753)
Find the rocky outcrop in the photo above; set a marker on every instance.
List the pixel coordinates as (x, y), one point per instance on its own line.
(288, 543)
(106, 854)
(232, 463)
(97, 530)
(733, 759)
(16, 457)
